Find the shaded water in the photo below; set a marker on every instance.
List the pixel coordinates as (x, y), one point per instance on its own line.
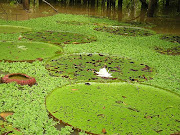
(167, 20)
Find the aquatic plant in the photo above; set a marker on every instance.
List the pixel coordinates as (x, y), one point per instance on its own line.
(13, 29)
(58, 38)
(104, 73)
(116, 107)
(125, 30)
(85, 67)
(18, 51)
(168, 51)
(171, 38)
(19, 78)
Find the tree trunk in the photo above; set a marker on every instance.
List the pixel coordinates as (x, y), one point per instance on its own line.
(120, 9)
(144, 4)
(25, 4)
(151, 7)
(178, 8)
(167, 3)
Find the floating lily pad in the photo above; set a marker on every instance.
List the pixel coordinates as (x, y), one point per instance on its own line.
(171, 38)
(126, 31)
(84, 67)
(121, 108)
(169, 51)
(80, 23)
(13, 29)
(58, 37)
(18, 51)
(72, 22)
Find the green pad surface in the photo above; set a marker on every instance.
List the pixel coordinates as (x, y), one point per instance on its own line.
(13, 29)
(118, 107)
(27, 50)
(84, 67)
(58, 37)
(126, 31)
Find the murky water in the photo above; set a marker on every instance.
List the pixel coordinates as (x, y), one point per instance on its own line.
(164, 24)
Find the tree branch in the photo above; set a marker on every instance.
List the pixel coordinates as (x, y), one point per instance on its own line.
(49, 5)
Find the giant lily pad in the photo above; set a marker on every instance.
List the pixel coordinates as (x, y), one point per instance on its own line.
(18, 51)
(85, 67)
(13, 29)
(125, 31)
(121, 108)
(171, 38)
(168, 51)
(58, 37)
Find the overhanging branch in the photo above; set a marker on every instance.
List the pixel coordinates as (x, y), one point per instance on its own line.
(49, 5)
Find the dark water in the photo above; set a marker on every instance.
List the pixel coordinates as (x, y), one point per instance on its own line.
(166, 19)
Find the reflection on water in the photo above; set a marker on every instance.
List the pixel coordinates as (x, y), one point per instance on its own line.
(101, 8)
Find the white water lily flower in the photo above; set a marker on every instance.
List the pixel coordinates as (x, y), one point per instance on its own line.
(103, 73)
(22, 47)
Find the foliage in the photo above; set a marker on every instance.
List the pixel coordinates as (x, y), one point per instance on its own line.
(171, 38)
(84, 67)
(126, 31)
(6, 128)
(13, 29)
(117, 107)
(18, 51)
(58, 37)
(28, 103)
(169, 51)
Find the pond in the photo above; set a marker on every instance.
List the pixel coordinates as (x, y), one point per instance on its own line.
(167, 20)
(153, 67)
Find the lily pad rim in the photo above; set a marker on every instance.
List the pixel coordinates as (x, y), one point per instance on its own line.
(72, 32)
(113, 83)
(123, 26)
(34, 42)
(30, 29)
(58, 47)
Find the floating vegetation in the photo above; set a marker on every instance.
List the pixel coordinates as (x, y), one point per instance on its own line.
(126, 31)
(169, 51)
(72, 22)
(101, 107)
(19, 51)
(81, 23)
(85, 67)
(19, 78)
(171, 38)
(13, 29)
(7, 129)
(58, 37)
